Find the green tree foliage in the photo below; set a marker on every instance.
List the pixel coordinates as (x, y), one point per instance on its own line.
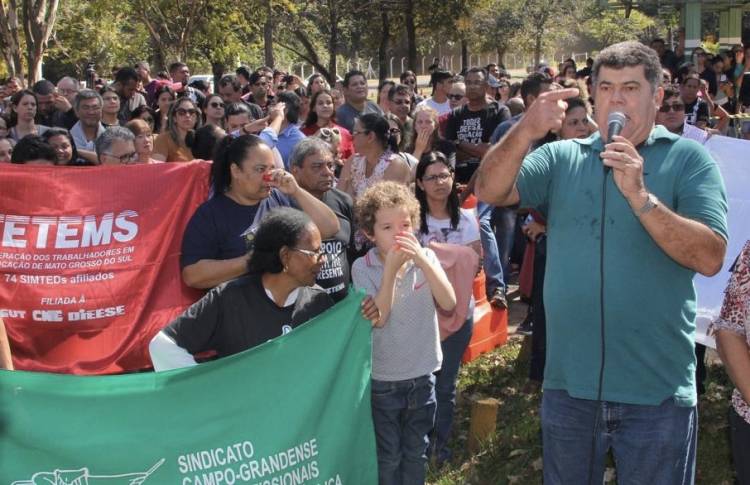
(605, 27)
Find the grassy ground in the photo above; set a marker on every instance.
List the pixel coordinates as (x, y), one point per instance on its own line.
(513, 455)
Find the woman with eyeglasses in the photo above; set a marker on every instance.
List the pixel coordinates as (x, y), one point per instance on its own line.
(183, 119)
(213, 110)
(276, 296)
(445, 222)
(428, 135)
(373, 160)
(110, 106)
(323, 115)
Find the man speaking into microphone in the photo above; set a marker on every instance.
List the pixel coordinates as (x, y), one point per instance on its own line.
(630, 221)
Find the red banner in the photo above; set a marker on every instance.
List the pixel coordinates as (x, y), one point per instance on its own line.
(89, 261)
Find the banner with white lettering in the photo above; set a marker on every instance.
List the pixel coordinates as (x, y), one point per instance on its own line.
(89, 267)
(295, 410)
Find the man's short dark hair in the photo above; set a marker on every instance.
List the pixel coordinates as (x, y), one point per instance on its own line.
(476, 70)
(629, 54)
(233, 109)
(199, 84)
(255, 76)
(43, 87)
(438, 76)
(126, 74)
(243, 71)
(292, 103)
(657, 40)
(230, 80)
(349, 75)
(175, 66)
(32, 147)
(402, 89)
(671, 91)
(532, 85)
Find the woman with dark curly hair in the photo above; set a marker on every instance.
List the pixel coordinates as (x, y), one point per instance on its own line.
(277, 295)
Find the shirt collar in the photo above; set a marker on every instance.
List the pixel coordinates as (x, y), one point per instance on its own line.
(659, 132)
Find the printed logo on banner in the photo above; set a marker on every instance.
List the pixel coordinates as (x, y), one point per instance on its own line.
(83, 477)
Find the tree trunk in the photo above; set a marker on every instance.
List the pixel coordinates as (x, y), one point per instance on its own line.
(501, 50)
(268, 36)
(383, 47)
(217, 68)
(38, 22)
(411, 36)
(333, 41)
(464, 55)
(9, 40)
(537, 48)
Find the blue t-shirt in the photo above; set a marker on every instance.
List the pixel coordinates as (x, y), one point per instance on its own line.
(649, 298)
(216, 230)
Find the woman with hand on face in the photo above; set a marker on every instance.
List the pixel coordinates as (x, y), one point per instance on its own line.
(23, 111)
(172, 145)
(323, 115)
(428, 137)
(245, 186)
(373, 160)
(278, 295)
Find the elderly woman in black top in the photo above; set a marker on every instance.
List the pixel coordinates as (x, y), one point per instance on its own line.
(277, 295)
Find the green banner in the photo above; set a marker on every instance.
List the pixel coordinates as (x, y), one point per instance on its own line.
(295, 410)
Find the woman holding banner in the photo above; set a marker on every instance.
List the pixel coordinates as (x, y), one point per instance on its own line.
(246, 184)
(277, 295)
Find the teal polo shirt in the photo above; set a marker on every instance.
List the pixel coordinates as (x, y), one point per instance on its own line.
(649, 299)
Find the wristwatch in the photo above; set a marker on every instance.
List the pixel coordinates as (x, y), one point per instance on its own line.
(651, 203)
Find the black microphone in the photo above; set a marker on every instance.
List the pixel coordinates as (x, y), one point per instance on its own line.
(615, 123)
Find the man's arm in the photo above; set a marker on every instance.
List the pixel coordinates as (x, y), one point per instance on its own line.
(496, 182)
(690, 243)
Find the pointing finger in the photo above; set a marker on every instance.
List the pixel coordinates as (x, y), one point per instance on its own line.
(560, 94)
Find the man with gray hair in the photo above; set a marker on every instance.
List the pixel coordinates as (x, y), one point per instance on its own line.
(88, 108)
(312, 165)
(116, 146)
(631, 219)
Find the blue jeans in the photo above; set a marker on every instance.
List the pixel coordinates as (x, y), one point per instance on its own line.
(403, 413)
(493, 266)
(651, 444)
(445, 387)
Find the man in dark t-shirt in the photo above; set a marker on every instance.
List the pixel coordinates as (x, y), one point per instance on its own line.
(471, 126)
(313, 166)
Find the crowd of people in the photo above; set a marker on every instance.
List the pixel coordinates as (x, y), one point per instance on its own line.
(315, 188)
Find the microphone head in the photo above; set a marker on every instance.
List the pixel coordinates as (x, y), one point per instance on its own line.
(616, 117)
(615, 123)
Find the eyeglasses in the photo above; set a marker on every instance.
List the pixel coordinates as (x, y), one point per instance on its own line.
(186, 112)
(127, 158)
(318, 255)
(676, 107)
(442, 177)
(217, 105)
(329, 132)
(456, 97)
(410, 81)
(394, 131)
